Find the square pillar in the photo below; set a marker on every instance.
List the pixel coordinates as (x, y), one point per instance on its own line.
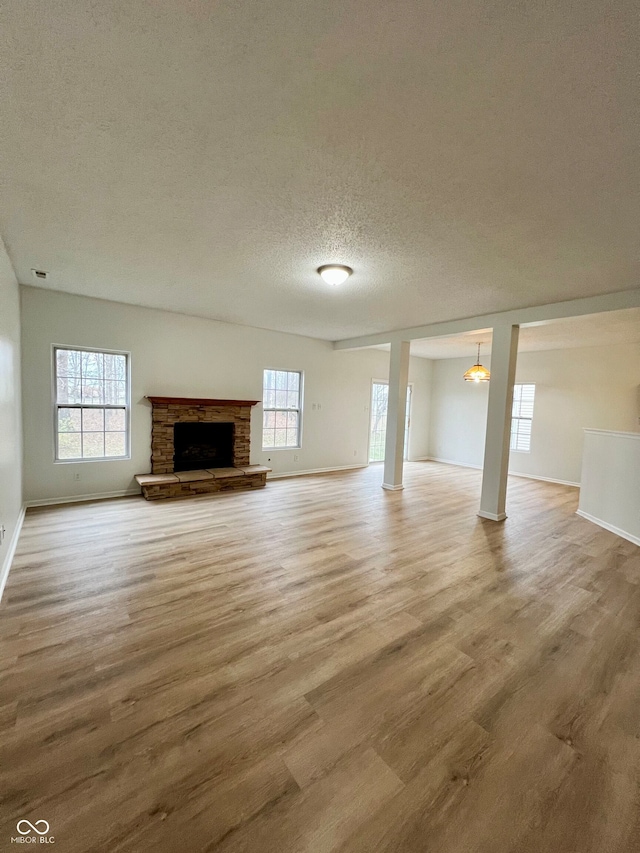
(396, 414)
(504, 353)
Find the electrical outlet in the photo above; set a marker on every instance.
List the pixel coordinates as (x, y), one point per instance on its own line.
(3, 531)
(76, 475)
(355, 452)
(295, 458)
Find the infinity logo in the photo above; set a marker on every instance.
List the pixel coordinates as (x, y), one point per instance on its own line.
(33, 827)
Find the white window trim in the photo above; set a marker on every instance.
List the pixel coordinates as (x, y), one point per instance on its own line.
(518, 418)
(55, 405)
(270, 409)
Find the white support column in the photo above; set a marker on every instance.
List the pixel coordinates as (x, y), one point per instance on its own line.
(396, 414)
(504, 352)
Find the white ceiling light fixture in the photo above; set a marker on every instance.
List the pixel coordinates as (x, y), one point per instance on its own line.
(334, 273)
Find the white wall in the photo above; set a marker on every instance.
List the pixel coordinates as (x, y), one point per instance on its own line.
(178, 355)
(10, 412)
(458, 413)
(610, 489)
(420, 378)
(593, 387)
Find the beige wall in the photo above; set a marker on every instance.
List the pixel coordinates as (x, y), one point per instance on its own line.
(10, 411)
(179, 355)
(593, 387)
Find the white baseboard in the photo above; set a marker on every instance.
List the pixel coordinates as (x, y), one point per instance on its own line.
(451, 462)
(284, 474)
(391, 488)
(6, 566)
(492, 516)
(610, 527)
(511, 473)
(544, 479)
(73, 499)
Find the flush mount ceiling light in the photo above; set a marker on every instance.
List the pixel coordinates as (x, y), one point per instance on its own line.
(334, 273)
(477, 373)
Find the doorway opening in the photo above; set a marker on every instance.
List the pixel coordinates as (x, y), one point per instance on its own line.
(378, 424)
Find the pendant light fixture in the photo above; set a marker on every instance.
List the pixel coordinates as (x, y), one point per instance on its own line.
(477, 373)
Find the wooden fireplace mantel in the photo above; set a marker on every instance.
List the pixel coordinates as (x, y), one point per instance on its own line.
(199, 401)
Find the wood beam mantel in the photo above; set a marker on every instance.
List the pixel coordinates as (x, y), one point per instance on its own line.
(199, 401)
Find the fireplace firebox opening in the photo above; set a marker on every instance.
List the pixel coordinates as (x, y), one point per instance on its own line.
(202, 445)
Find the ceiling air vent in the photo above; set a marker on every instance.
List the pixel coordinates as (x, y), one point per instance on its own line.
(40, 275)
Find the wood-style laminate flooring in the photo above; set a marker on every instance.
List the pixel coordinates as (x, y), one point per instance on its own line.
(323, 666)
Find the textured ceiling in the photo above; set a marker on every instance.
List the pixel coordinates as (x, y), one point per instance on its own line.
(463, 157)
(614, 327)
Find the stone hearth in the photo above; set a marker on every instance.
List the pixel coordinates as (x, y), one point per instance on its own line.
(165, 482)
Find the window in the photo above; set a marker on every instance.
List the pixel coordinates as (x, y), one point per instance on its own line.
(91, 404)
(521, 417)
(282, 409)
(378, 425)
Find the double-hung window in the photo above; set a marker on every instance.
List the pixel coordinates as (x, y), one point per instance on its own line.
(522, 417)
(282, 409)
(91, 411)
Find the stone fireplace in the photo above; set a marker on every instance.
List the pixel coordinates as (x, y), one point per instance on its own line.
(198, 446)
(169, 412)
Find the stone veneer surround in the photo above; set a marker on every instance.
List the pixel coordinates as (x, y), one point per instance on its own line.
(170, 410)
